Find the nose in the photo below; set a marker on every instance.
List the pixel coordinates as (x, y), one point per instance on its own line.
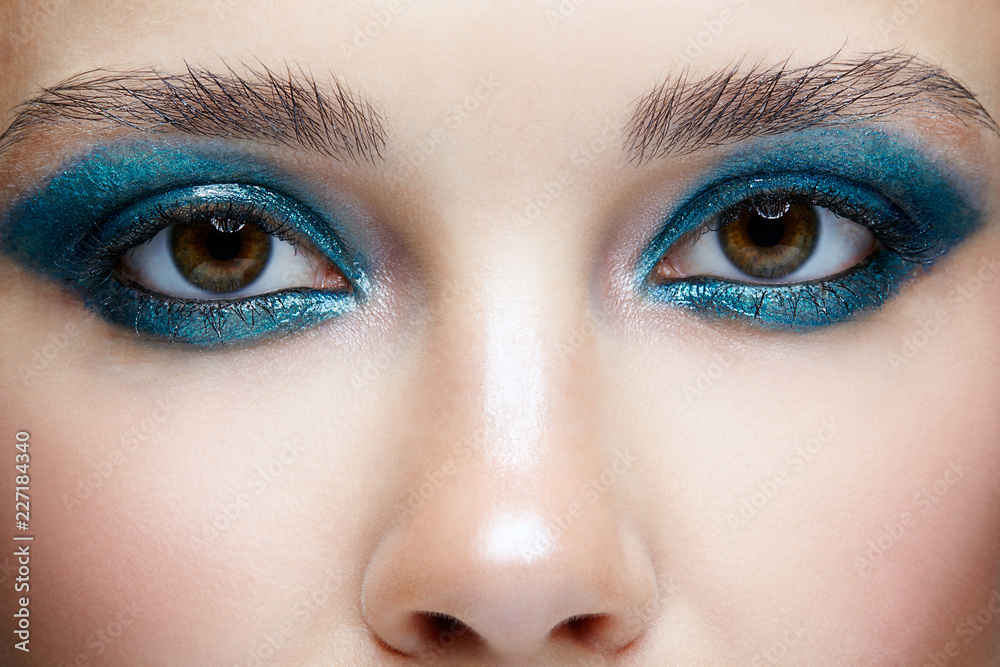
(525, 557)
(464, 579)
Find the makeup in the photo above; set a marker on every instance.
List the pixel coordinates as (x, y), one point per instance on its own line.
(75, 227)
(909, 201)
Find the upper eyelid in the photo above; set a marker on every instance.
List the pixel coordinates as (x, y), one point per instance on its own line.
(305, 224)
(883, 162)
(691, 215)
(109, 178)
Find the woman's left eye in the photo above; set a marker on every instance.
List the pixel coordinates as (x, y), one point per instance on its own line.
(770, 240)
(792, 250)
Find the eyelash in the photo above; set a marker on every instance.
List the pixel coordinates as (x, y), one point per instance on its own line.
(100, 257)
(906, 244)
(219, 321)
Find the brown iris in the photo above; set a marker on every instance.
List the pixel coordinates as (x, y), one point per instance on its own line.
(771, 239)
(217, 260)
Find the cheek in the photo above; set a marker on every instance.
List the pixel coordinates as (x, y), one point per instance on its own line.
(145, 545)
(818, 503)
(926, 544)
(171, 520)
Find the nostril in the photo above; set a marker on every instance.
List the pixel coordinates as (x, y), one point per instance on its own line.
(438, 631)
(598, 632)
(581, 628)
(438, 623)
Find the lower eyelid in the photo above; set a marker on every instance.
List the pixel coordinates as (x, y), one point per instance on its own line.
(209, 324)
(794, 306)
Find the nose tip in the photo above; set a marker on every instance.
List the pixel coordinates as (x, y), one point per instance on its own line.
(513, 587)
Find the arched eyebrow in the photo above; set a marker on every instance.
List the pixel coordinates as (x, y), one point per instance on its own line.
(287, 109)
(682, 115)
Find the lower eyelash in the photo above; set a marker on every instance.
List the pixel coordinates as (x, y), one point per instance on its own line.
(155, 317)
(797, 305)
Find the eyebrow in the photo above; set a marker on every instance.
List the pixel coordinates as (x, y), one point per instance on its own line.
(682, 115)
(258, 104)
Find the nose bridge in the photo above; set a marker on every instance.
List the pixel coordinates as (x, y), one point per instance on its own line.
(522, 381)
(509, 352)
(516, 388)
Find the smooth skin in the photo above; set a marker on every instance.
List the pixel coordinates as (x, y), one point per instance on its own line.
(507, 434)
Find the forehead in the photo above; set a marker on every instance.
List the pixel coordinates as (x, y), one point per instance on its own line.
(570, 44)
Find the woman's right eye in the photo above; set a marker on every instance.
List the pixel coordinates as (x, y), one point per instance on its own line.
(221, 263)
(213, 252)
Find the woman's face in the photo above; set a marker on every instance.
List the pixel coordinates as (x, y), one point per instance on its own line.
(595, 332)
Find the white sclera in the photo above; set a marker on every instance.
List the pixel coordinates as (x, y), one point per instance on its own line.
(841, 244)
(152, 265)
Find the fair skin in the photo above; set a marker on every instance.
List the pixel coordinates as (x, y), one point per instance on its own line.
(508, 434)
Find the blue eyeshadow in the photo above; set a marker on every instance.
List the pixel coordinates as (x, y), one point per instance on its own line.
(74, 227)
(911, 203)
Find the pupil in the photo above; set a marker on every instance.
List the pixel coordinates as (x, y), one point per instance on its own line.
(223, 246)
(765, 232)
